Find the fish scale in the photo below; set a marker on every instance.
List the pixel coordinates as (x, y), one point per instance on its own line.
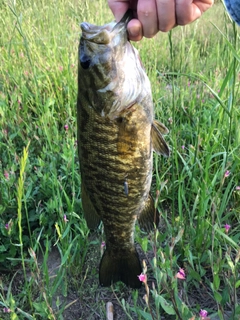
(116, 138)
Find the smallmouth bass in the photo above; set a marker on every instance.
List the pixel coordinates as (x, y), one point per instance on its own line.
(117, 134)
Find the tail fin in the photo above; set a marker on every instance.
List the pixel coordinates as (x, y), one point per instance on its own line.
(123, 267)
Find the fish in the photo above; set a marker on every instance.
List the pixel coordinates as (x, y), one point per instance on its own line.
(116, 134)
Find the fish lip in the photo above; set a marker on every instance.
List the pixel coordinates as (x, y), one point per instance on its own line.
(85, 26)
(94, 29)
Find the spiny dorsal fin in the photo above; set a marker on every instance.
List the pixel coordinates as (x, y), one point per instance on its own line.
(159, 144)
(149, 216)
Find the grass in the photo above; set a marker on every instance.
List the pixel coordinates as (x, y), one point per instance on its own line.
(48, 259)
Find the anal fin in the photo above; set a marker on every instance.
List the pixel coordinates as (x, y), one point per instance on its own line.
(159, 144)
(149, 216)
(90, 214)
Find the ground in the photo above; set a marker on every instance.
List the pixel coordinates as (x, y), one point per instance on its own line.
(85, 299)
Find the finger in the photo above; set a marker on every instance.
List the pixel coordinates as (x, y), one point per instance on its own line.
(166, 14)
(147, 15)
(135, 30)
(118, 7)
(190, 10)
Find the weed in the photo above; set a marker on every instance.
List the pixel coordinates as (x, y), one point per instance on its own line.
(48, 259)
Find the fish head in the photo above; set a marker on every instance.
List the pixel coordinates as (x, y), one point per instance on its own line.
(110, 73)
(100, 44)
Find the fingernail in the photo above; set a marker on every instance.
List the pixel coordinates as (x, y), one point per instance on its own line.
(134, 31)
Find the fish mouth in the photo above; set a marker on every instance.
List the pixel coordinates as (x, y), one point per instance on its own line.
(104, 34)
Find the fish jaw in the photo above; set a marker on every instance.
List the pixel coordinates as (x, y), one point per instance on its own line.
(113, 31)
(97, 42)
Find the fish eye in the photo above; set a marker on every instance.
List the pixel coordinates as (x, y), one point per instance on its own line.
(85, 61)
(85, 64)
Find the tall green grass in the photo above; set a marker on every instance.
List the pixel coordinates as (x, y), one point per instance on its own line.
(194, 72)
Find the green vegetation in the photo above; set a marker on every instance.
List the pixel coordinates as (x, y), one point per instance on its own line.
(48, 259)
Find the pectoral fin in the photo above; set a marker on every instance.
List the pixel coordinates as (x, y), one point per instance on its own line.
(159, 144)
(90, 214)
(149, 216)
(161, 127)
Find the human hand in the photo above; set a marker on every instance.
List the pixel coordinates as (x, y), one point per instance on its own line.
(158, 15)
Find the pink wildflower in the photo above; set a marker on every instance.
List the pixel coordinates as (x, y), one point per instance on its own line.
(142, 277)
(227, 173)
(181, 274)
(203, 314)
(65, 218)
(6, 310)
(227, 227)
(102, 247)
(238, 188)
(6, 174)
(183, 147)
(66, 127)
(8, 225)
